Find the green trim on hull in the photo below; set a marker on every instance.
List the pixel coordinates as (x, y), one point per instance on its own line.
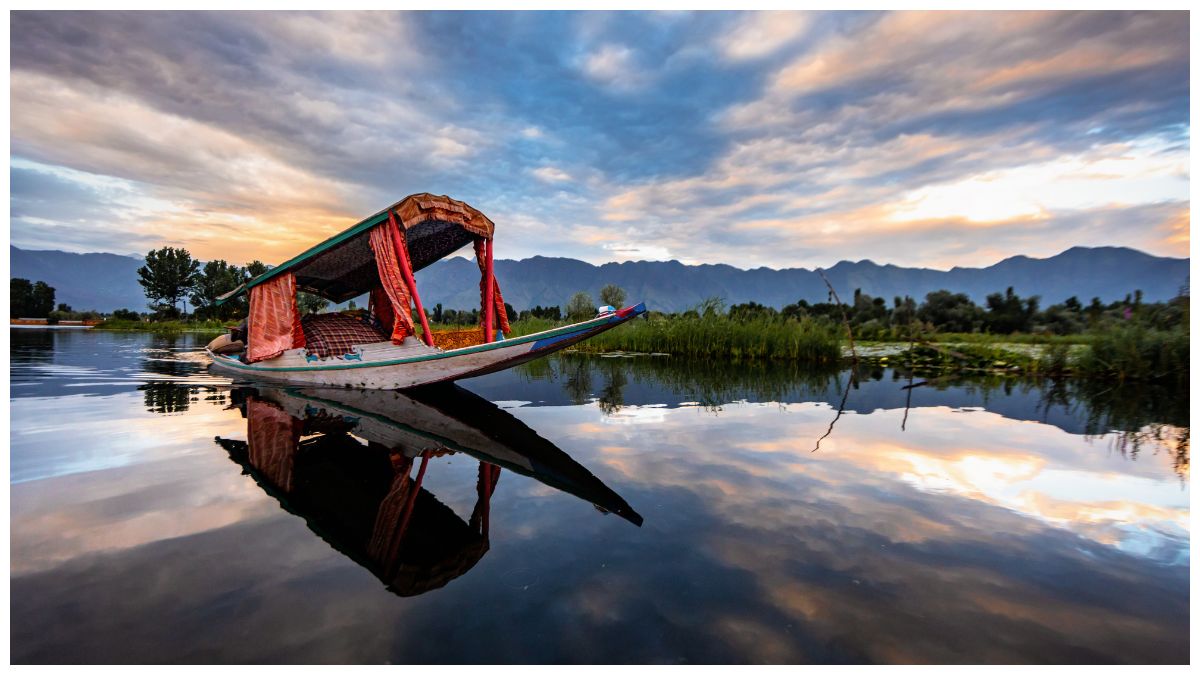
(490, 346)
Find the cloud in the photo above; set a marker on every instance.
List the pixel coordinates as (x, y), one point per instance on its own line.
(747, 138)
(615, 66)
(762, 33)
(550, 174)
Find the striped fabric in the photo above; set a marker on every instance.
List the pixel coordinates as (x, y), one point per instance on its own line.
(384, 239)
(272, 435)
(335, 334)
(501, 314)
(274, 319)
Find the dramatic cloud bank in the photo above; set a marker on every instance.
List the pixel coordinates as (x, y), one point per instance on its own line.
(778, 139)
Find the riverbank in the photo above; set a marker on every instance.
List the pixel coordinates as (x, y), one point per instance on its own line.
(164, 327)
(1126, 353)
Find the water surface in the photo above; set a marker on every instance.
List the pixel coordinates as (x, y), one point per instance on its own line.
(587, 509)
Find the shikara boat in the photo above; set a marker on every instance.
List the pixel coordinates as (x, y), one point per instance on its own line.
(344, 461)
(381, 349)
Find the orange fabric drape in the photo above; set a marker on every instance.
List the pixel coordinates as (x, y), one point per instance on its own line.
(274, 319)
(385, 237)
(272, 436)
(501, 316)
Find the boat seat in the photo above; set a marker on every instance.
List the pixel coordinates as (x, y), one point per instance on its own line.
(336, 334)
(457, 339)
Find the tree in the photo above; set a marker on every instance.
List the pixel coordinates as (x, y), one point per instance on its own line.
(613, 295)
(214, 280)
(255, 268)
(20, 298)
(310, 303)
(904, 311)
(42, 299)
(167, 276)
(948, 311)
(1008, 313)
(581, 306)
(125, 315)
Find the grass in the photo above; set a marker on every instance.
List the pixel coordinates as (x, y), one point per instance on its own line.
(1124, 353)
(1015, 338)
(1127, 353)
(806, 340)
(164, 327)
(1137, 353)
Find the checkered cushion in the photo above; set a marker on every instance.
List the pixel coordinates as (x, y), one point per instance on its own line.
(335, 334)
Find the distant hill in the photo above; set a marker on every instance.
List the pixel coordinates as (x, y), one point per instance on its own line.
(1108, 273)
(100, 281)
(105, 281)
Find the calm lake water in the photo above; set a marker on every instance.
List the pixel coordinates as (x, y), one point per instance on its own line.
(586, 509)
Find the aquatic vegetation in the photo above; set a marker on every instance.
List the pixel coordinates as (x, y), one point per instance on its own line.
(164, 327)
(1138, 353)
(716, 335)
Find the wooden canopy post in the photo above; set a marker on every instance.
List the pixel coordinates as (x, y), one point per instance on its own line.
(489, 474)
(406, 271)
(412, 497)
(489, 300)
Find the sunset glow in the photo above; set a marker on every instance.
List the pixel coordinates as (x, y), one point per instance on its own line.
(714, 137)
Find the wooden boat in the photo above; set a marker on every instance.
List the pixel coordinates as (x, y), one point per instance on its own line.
(378, 256)
(305, 448)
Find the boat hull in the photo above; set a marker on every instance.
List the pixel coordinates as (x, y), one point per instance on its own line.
(386, 367)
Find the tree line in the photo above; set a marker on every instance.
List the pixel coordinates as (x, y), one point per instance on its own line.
(171, 277)
(1001, 314)
(31, 300)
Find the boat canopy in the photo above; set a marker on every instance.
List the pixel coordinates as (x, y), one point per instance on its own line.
(377, 256)
(343, 266)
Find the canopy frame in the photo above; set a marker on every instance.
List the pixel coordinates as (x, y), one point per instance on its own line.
(436, 226)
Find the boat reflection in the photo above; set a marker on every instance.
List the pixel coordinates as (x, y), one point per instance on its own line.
(305, 447)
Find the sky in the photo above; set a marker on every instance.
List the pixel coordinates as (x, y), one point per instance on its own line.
(778, 139)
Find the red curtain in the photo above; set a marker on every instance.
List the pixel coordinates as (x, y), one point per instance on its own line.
(272, 436)
(500, 314)
(385, 237)
(274, 318)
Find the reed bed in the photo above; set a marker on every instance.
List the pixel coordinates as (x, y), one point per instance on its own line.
(164, 327)
(1138, 353)
(808, 340)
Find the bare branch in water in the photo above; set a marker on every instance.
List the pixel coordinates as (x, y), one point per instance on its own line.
(841, 409)
(845, 318)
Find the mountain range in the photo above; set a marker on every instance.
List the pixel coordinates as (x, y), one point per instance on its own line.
(105, 281)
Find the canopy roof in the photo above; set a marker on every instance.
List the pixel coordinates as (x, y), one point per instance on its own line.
(343, 266)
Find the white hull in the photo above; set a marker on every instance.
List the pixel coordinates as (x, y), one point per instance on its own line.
(387, 366)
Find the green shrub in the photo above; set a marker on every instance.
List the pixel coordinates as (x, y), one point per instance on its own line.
(1138, 353)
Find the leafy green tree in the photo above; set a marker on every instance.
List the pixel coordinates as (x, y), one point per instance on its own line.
(215, 279)
(311, 304)
(167, 276)
(952, 312)
(125, 315)
(1008, 313)
(42, 299)
(255, 268)
(20, 298)
(538, 312)
(612, 294)
(904, 311)
(581, 306)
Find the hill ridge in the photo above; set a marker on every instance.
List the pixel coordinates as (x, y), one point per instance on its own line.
(107, 281)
